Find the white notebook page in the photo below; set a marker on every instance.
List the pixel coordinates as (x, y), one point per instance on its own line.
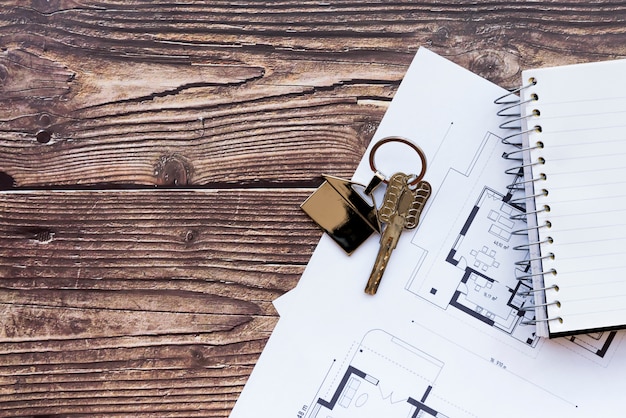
(583, 129)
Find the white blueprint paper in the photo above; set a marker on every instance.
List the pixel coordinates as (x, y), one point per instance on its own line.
(443, 337)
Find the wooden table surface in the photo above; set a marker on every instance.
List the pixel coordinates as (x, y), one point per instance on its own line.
(153, 157)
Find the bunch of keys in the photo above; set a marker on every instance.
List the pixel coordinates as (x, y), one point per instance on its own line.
(342, 213)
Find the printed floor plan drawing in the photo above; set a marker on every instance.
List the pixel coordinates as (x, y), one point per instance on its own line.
(479, 277)
(486, 291)
(595, 346)
(385, 377)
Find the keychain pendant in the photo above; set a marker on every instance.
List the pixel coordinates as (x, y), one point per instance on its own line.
(342, 212)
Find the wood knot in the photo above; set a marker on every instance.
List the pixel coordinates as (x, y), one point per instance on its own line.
(190, 236)
(172, 170)
(44, 120)
(43, 136)
(488, 64)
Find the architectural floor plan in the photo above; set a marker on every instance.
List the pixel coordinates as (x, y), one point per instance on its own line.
(479, 277)
(385, 376)
(487, 292)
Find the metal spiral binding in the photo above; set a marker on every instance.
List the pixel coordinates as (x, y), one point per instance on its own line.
(541, 273)
(541, 289)
(549, 256)
(502, 100)
(522, 216)
(525, 264)
(541, 305)
(520, 168)
(542, 192)
(508, 155)
(537, 321)
(511, 105)
(525, 247)
(521, 185)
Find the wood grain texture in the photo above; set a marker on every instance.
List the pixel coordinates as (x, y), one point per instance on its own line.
(119, 301)
(153, 157)
(145, 94)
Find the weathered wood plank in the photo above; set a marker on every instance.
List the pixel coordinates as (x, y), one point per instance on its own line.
(143, 301)
(254, 238)
(188, 94)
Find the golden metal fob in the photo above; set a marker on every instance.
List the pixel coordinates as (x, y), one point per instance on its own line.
(342, 212)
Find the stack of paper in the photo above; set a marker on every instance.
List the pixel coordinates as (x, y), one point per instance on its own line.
(444, 335)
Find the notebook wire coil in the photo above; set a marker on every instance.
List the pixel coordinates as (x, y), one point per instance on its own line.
(525, 247)
(522, 191)
(541, 305)
(537, 321)
(542, 289)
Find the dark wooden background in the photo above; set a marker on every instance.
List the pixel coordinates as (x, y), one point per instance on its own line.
(153, 157)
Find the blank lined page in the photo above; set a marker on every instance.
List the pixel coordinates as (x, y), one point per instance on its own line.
(582, 122)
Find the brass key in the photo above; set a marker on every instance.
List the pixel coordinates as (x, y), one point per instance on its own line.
(401, 209)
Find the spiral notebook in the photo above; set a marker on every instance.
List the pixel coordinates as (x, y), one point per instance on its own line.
(571, 145)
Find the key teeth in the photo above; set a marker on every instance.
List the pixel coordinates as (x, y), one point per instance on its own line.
(421, 193)
(397, 183)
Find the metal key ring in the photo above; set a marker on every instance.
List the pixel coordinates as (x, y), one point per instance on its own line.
(403, 141)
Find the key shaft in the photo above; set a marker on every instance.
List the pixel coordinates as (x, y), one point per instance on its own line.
(400, 210)
(388, 242)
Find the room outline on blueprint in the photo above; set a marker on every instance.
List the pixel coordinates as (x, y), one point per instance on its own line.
(384, 375)
(478, 277)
